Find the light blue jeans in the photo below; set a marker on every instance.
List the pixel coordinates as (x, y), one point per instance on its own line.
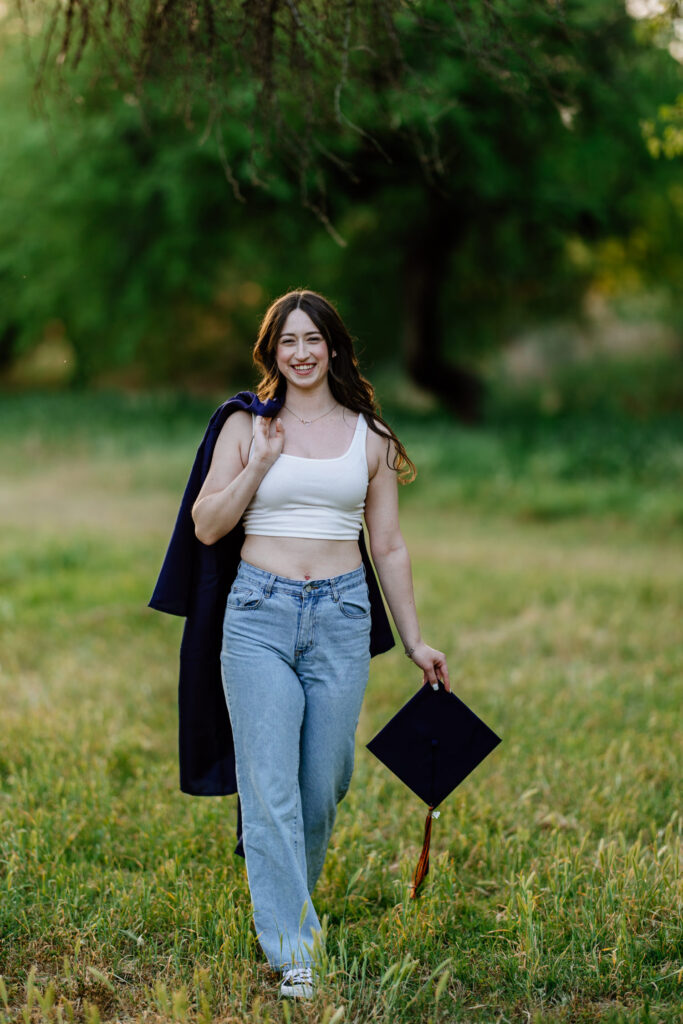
(295, 663)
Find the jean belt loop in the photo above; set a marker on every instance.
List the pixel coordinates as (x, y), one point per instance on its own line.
(269, 584)
(334, 590)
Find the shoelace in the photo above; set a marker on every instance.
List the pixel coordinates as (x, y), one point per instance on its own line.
(298, 976)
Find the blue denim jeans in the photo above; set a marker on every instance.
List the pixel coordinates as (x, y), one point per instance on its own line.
(295, 662)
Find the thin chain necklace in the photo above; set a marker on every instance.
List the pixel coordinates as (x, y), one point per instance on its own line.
(307, 423)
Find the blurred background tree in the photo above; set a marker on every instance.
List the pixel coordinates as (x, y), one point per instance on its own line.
(450, 173)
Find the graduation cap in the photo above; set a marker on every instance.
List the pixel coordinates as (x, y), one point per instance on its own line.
(432, 744)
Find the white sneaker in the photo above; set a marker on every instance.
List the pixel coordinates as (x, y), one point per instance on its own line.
(297, 983)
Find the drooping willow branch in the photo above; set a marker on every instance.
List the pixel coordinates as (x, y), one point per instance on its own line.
(295, 75)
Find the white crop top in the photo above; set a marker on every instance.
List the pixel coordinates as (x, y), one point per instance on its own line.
(318, 498)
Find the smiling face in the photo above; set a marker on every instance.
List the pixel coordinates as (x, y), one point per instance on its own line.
(302, 355)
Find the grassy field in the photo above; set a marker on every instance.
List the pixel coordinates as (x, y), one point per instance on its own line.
(547, 564)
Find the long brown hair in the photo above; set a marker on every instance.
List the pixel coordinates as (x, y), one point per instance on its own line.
(347, 384)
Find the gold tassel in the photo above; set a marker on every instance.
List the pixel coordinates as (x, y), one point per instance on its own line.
(423, 864)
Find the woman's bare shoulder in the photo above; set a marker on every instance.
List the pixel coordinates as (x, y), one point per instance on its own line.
(379, 445)
(379, 435)
(236, 423)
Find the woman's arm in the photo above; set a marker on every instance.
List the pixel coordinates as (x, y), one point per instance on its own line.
(392, 561)
(232, 479)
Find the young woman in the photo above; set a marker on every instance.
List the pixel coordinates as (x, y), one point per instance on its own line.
(296, 650)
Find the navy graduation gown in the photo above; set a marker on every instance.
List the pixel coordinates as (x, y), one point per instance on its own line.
(194, 582)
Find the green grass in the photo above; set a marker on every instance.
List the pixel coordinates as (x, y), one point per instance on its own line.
(551, 577)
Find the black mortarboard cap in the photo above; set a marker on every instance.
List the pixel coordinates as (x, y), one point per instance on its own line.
(432, 744)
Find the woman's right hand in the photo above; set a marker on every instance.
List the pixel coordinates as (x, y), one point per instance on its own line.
(269, 438)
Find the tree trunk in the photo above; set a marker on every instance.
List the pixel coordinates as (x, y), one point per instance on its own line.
(8, 339)
(425, 267)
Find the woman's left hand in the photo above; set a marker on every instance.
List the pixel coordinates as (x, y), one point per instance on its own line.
(433, 665)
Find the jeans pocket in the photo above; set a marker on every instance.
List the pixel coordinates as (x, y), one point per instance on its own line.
(355, 603)
(244, 597)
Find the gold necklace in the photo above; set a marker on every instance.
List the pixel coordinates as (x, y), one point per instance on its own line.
(306, 423)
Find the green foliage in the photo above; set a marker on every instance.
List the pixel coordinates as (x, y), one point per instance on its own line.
(515, 127)
(628, 391)
(665, 136)
(101, 231)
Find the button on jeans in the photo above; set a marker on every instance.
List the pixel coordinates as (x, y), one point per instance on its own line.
(295, 663)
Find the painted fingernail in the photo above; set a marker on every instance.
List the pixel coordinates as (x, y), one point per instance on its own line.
(435, 686)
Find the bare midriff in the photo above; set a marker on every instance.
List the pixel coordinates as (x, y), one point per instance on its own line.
(301, 558)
